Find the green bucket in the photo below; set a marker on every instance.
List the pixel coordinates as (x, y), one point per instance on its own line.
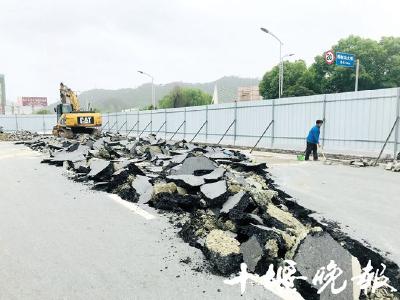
(300, 157)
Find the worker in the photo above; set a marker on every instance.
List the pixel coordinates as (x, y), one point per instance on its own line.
(313, 140)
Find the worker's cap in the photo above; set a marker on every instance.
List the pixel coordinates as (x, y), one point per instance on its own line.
(319, 122)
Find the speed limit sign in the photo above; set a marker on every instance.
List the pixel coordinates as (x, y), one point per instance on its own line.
(329, 57)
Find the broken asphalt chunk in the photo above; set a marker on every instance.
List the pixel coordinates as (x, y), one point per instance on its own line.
(214, 175)
(195, 166)
(223, 252)
(143, 187)
(99, 168)
(252, 252)
(240, 201)
(189, 181)
(319, 250)
(214, 193)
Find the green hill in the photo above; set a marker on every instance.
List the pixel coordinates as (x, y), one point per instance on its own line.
(116, 100)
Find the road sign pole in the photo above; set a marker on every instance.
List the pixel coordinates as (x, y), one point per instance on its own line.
(357, 73)
(280, 71)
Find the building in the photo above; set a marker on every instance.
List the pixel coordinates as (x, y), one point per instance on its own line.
(28, 105)
(215, 99)
(248, 93)
(2, 95)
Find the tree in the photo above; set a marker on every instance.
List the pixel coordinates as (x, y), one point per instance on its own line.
(42, 112)
(379, 68)
(182, 97)
(148, 107)
(297, 81)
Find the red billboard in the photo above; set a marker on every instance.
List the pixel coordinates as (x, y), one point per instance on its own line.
(34, 101)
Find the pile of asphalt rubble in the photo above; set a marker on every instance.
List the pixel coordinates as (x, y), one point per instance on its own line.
(389, 165)
(16, 135)
(222, 203)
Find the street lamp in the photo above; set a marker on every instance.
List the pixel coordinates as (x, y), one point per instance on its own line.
(153, 99)
(283, 57)
(280, 58)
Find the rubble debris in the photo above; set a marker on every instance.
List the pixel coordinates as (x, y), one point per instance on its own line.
(252, 253)
(17, 136)
(214, 175)
(99, 168)
(214, 193)
(223, 203)
(393, 166)
(189, 181)
(240, 199)
(167, 188)
(318, 250)
(223, 251)
(143, 187)
(195, 166)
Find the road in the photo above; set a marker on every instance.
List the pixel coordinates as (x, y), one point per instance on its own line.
(61, 240)
(365, 201)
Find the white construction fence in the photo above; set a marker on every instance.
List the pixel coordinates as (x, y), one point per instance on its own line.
(355, 122)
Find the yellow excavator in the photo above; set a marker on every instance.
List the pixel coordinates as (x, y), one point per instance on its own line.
(71, 120)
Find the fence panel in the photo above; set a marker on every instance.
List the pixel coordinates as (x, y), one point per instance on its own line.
(158, 118)
(361, 121)
(132, 123)
(49, 122)
(220, 117)
(293, 119)
(175, 118)
(9, 122)
(252, 120)
(195, 118)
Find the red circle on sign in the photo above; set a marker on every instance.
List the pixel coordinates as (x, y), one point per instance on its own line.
(329, 57)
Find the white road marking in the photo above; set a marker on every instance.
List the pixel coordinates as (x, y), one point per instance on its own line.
(5, 155)
(132, 206)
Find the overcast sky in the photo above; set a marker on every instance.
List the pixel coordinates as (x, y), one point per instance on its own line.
(101, 44)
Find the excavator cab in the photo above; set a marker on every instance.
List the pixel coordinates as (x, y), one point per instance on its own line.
(62, 109)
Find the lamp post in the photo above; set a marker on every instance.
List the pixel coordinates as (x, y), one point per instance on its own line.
(153, 99)
(280, 58)
(283, 57)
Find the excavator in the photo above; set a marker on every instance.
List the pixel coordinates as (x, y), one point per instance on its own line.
(71, 120)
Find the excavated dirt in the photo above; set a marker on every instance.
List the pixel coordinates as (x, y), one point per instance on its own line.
(222, 203)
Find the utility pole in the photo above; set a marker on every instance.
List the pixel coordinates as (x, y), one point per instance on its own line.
(153, 98)
(280, 79)
(283, 57)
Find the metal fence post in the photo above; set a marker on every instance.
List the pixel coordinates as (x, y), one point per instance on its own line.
(151, 121)
(397, 129)
(126, 122)
(206, 123)
(273, 124)
(165, 127)
(184, 125)
(108, 117)
(116, 120)
(44, 125)
(138, 123)
(235, 126)
(16, 122)
(324, 119)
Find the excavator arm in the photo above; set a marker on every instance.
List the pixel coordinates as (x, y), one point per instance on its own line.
(67, 94)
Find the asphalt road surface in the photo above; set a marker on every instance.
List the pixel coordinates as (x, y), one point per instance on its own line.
(60, 240)
(364, 201)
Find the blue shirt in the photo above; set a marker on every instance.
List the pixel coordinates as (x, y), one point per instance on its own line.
(313, 135)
